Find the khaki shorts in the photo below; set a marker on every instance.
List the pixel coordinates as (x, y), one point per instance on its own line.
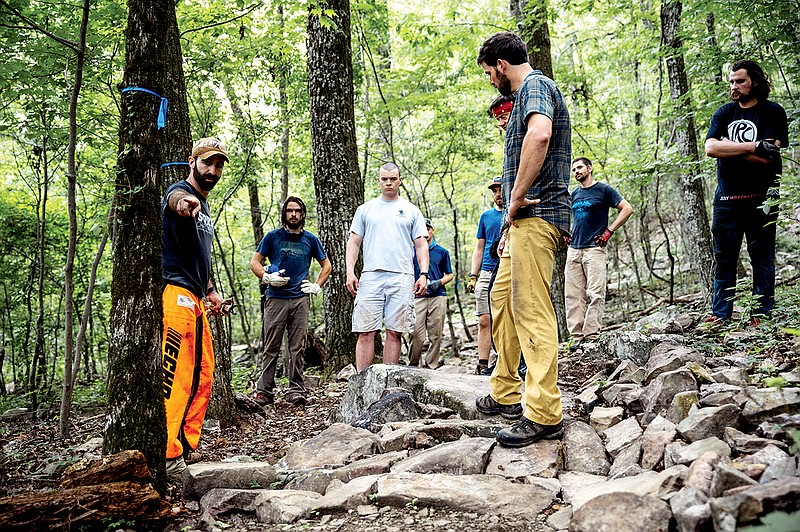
(482, 293)
(384, 297)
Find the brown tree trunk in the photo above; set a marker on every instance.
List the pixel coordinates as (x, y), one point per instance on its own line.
(695, 226)
(338, 184)
(135, 418)
(531, 17)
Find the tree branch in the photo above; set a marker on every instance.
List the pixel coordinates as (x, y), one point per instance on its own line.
(32, 26)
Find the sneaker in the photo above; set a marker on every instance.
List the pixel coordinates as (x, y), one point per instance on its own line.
(175, 468)
(490, 407)
(525, 432)
(263, 399)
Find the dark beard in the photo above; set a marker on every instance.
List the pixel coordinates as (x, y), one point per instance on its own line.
(294, 226)
(505, 85)
(207, 182)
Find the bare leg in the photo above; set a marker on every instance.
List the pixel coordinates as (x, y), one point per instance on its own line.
(484, 336)
(365, 349)
(391, 350)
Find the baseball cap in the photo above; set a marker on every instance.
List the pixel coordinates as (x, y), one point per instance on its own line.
(496, 182)
(208, 147)
(428, 222)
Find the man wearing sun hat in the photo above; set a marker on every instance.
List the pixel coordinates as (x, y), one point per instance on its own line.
(483, 263)
(187, 350)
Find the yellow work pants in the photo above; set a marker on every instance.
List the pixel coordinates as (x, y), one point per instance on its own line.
(523, 321)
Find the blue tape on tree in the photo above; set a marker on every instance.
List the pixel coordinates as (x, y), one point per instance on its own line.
(161, 121)
(174, 164)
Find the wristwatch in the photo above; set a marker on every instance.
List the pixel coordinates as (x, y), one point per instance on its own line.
(423, 273)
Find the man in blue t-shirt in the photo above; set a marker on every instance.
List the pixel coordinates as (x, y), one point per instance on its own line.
(745, 136)
(431, 309)
(289, 250)
(585, 271)
(481, 273)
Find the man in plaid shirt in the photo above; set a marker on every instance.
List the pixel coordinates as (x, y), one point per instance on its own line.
(536, 172)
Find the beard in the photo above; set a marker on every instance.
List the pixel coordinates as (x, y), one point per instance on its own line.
(504, 85)
(295, 224)
(207, 181)
(740, 97)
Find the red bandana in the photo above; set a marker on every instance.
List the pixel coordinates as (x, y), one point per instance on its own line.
(504, 107)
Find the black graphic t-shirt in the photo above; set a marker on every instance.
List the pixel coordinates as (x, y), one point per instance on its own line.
(737, 178)
(186, 244)
(590, 212)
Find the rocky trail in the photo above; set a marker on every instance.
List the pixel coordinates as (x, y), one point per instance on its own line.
(679, 428)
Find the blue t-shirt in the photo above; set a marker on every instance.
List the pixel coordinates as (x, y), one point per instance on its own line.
(738, 179)
(186, 244)
(489, 230)
(590, 212)
(438, 267)
(291, 252)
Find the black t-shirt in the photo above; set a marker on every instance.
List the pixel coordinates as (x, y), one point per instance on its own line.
(737, 178)
(186, 244)
(590, 212)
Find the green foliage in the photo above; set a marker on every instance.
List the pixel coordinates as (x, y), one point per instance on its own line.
(775, 522)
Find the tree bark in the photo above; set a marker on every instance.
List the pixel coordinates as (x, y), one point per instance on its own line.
(531, 17)
(338, 183)
(135, 417)
(695, 225)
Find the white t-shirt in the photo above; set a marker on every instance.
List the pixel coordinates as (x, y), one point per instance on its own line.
(388, 229)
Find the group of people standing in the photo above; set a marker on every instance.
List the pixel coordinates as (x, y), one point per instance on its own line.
(401, 286)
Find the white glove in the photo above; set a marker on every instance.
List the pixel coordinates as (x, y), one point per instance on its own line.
(274, 279)
(307, 287)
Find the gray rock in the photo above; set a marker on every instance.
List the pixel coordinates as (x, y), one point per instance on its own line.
(588, 396)
(682, 404)
(691, 510)
(560, 519)
(766, 402)
(708, 422)
(732, 376)
(726, 477)
(627, 372)
(627, 456)
(579, 490)
(742, 443)
(612, 393)
(659, 393)
(621, 435)
(462, 457)
(670, 360)
(622, 512)
(630, 345)
(782, 468)
(394, 435)
(701, 472)
(199, 478)
(584, 451)
(337, 445)
(319, 479)
(394, 406)
(348, 496)
(485, 494)
(222, 500)
(653, 445)
(678, 453)
(762, 458)
(746, 506)
(631, 400)
(602, 418)
(718, 399)
(553, 485)
(346, 372)
(540, 459)
(284, 506)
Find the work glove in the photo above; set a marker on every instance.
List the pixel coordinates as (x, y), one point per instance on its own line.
(767, 149)
(602, 239)
(566, 238)
(307, 287)
(433, 286)
(473, 280)
(274, 279)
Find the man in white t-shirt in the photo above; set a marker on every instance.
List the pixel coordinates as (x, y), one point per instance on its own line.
(391, 229)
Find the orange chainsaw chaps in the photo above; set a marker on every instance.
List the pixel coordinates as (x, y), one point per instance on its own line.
(187, 362)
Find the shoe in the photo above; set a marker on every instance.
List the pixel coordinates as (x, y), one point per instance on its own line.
(297, 399)
(488, 370)
(480, 368)
(490, 407)
(525, 432)
(263, 399)
(175, 468)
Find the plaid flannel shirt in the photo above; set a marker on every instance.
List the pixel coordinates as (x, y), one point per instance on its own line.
(539, 94)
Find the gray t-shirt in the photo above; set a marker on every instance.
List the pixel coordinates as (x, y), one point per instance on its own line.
(388, 229)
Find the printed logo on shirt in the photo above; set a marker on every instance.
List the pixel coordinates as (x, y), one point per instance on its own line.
(185, 301)
(580, 208)
(401, 213)
(742, 131)
(292, 249)
(204, 223)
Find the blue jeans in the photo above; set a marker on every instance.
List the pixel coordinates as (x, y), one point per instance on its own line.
(729, 225)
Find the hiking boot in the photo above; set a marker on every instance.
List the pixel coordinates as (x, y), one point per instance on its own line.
(490, 407)
(263, 399)
(525, 432)
(175, 468)
(297, 399)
